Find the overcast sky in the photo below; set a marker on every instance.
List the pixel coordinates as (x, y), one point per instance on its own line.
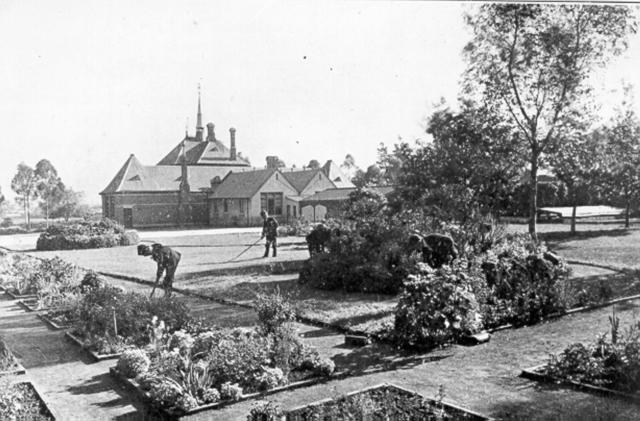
(86, 83)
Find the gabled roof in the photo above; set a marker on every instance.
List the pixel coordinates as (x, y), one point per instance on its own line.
(335, 174)
(300, 179)
(206, 152)
(135, 177)
(341, 194)
(242, 184)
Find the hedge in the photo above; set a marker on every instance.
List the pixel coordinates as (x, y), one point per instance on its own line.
(86, 235)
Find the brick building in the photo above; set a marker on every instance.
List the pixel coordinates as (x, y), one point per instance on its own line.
(203, 182)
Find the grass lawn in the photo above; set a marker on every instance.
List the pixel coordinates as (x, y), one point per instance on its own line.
(200, 254)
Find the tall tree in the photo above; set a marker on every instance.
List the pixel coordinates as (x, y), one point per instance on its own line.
(622, 166)
(390, 163)
(24, 185)
(349, 166)
(313, 164)
(373, 176)
(67, 204)
(48, 184)
(577, 161)
(531, 61)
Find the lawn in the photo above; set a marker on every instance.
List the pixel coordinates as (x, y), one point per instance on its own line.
(201, 254)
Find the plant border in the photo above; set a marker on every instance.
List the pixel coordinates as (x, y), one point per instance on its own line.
(94, 355)
(19, 296)
(133, 386)
(43, 402)
(53, 325)
(444, 403)
(534, 373)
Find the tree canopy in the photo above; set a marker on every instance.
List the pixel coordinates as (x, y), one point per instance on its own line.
(530, 62)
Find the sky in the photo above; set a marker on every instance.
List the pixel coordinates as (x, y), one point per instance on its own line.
(87, 83)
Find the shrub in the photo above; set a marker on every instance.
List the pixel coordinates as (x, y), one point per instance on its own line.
(274, 310)
(523, 283)
(186, 402)
(165, 393)
(270, 378)
(86, 234)
(435, 308)
(326, 367)
(230, 391)
(133, 363)
(264, 411)
(211, 395)
(91, 280)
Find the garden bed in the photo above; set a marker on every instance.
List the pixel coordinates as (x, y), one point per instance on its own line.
(537, 373)
(52, 323)
(23, 402)
(94, 355)
(15, 296)
(133, 386)
(9, 364)
(17, 370)
(386, 398)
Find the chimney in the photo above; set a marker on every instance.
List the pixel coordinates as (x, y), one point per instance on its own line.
(232, 135)
(211, 135)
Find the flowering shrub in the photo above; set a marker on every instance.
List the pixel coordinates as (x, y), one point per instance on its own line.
(270, 378)
(436, 307)
(230, 391)
(274, 310)
(133, 363)
(85, 235)
(524, 282)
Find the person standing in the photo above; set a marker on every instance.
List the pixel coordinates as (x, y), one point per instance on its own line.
(270, 231)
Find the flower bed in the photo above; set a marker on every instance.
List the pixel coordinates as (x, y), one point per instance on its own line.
(9, 365)
(55, 323)
(381, 402)
(204, 367)
(110, 320)
(21, 401)
(610, 365)
(86, 235)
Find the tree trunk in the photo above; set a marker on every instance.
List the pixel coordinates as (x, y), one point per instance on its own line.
(24, 205)
(626, 214)
(533, 194)
(46, 216)
(28, 214)
(573, 218)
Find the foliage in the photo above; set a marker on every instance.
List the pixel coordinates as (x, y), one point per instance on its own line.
(48, 185)
(229, 391)
(613, 360)
(7, 361)
(435, 307)
(531, 62)
(270, 378)
(24, 185)
(108, 316)
(274, 310)
(298, 227)
(19, 401)
(133, 362)
(523, 283)
(67, 204)
(265, 411)
(86, 234)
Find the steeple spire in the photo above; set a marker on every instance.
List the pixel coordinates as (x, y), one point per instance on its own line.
(199, 128)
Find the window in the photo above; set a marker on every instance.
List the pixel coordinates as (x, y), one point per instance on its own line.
(295, 208)
(271, 202)
(225, 205)
(288, 210)
(241, 206)
(215, 208)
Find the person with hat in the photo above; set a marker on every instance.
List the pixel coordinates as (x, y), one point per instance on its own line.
(167, 260)
(270, 231)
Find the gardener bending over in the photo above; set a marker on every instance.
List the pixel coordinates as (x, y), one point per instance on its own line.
(167, 260)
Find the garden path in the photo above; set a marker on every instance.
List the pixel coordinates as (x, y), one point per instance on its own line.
(73, 387)
(484, 378)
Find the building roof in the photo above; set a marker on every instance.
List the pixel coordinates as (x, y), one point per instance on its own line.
(135, 177)
(340, 194)
(300, 179)
(206, 152)
(242, 184)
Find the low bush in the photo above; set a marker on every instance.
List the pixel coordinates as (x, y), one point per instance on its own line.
(436, 307)
(133, 363)
(274, 310)
(86, 235)
(612, 361)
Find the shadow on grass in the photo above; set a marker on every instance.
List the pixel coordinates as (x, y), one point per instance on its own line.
(377, 358)
(551, 402)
